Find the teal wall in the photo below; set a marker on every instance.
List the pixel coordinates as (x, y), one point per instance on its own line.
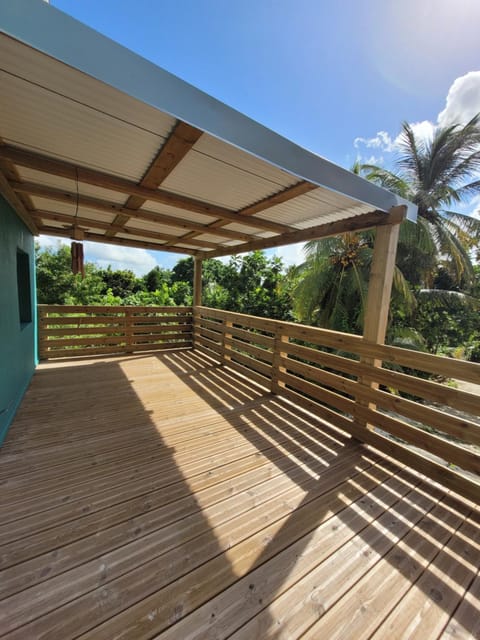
(17, 342)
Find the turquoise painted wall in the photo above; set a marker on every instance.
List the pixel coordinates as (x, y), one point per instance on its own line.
(17, 341)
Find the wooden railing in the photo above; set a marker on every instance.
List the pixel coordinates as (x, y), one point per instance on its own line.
(429, 426)
(66, 331)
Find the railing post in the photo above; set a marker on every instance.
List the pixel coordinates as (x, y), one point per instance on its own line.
(197, 282)
(42, 338)
(128, 329)
(277, 367)
(227, 341)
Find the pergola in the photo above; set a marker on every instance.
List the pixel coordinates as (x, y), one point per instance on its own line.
(99, 144)
(275, 480)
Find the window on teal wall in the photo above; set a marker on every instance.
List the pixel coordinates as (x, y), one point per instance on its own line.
(24, 288)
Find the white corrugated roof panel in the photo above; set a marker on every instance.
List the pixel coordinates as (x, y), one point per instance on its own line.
(70, 186)
(70, 94)
(214, 148)
(192, 216)
(216, 182)
(51, 123)
(44, 71)
(154, 226)
(304, 210)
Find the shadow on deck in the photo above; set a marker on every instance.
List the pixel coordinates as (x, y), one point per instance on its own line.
(164, 496)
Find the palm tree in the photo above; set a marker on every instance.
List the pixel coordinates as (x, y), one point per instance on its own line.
(435, 173)
(331, 285)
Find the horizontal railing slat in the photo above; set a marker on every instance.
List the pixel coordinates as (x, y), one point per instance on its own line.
(338, 375)
(66, 331)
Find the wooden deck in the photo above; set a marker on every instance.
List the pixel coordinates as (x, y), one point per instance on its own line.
(161, 496)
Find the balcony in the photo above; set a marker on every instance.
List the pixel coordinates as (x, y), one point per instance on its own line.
(265, 484)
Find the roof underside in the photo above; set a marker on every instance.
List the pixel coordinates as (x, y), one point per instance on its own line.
(81, 157)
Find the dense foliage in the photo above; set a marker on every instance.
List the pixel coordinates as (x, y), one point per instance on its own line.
(251, 284)
(435, 300)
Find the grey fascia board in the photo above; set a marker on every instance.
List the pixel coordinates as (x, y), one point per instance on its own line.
(42, 27)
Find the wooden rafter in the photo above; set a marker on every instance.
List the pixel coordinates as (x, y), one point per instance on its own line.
(12, 198)
(96, 178)
(22, 202)
(60, 195)
(54, 216)
(358, 223)
(179, 143)
(294, 191)
(126, 242)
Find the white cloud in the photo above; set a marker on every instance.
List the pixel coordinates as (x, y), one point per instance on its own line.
(381, 140)
(463, 100)
(462, 103)
(473, 207)
(291, 254)
(140, 261)
(47, 242)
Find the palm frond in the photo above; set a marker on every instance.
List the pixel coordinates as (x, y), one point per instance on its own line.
(387, 179)
(446, 297)
(413, 152)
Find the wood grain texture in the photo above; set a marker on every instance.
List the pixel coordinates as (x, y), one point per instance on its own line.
(166, 496)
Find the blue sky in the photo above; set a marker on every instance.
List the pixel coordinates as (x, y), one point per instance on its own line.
(337, 77)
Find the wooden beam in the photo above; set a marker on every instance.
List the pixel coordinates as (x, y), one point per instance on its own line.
(10, 172)
(12, 198)
(197, 282)
(94, 237)
(96, 178)
(298, 189)
(89, 202)
(179, 143)
(358, 223)
(41, 214)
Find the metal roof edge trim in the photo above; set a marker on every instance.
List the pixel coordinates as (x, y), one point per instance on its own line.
(58, 35)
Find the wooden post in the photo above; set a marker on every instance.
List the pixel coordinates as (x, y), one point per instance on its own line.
(380, 283)
(227, 341)
(197, 282)
(129, 329)
(277, 368)
(379, 292)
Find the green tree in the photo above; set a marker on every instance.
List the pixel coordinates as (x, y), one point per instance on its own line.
(331, 285)
(157, 276)
(122, 282)
(183, 271)
(56, 284)
(256, 285)
(436, 173)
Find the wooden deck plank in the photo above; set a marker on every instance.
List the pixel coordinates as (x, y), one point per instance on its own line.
(130, 573)
(253, 593)
(447, 578)
(382, 589)
(466, 622)
(103, 532)
(165, 496)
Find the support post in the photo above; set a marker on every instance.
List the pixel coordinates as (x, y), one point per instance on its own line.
(379, 292)
(197, 282)
(380, 284)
